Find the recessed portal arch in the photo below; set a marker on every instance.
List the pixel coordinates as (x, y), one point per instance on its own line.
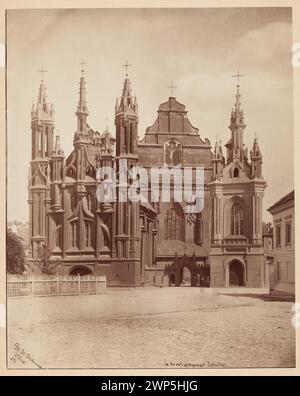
(235, 273)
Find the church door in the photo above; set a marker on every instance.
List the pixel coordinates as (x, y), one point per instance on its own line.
(236, 273)
(186, 277)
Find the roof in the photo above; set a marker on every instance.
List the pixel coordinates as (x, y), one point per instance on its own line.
(147, 205)
(170, 248)
(228, 143)
(287, 198)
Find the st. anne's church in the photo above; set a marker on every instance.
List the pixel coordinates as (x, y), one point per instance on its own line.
(146, 243)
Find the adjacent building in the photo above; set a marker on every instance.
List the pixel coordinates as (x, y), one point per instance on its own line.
(282, 272)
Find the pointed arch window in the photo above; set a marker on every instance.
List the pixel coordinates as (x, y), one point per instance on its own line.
(237, 219)
(58, 233)
(88, 234)
(40, 144)
(46, 148)
(236, 172)
(73, 202)
(74, 233)
(174, 224)
(89, 199)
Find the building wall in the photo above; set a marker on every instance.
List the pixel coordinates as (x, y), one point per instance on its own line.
(283, 271)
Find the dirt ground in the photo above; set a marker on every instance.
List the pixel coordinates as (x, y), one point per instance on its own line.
(150, 328)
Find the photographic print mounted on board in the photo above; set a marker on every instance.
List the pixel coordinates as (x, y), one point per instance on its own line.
(150, 188)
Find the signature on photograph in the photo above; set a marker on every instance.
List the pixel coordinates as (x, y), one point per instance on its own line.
(20, 355)
(204, 364)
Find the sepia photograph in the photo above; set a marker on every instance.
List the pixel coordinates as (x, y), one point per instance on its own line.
(150, 208)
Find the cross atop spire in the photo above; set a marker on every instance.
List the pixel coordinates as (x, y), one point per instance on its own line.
(238, 76)
(82, 63)
(42, 71)
(126, 65)
(172, 88)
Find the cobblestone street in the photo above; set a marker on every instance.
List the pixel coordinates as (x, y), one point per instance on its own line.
(150, 328)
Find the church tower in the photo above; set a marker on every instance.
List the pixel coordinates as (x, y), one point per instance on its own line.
(126, 214)
(42, 139)
(237, 190)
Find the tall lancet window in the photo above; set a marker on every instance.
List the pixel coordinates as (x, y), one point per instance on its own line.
(89, 200)
(237, 219)
(74, 236)
(174, 224)
(46, 141)
(88, 234)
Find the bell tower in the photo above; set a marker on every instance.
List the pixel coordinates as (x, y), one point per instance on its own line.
(42, 133)
(126, 121)
(126, 213)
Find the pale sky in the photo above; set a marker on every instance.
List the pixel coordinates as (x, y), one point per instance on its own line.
(198, 49)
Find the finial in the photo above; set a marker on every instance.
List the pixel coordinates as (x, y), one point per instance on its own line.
(42, 71)
(172, 88)
(126, 65)
(106, 121)
(82, 63)
(238, 76)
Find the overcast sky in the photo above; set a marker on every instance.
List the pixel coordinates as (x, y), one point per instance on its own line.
(198, 49)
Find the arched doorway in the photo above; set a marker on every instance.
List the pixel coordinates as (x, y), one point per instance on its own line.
(186, 278)
(81, 270)
(172, 280)
(236, 273)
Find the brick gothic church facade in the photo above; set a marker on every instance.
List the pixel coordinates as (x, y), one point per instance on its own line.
(144, 243)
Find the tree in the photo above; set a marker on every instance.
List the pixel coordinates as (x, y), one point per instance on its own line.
(45, 264)
(15, 254)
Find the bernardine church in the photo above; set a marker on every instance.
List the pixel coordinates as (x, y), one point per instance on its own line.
(146, 243)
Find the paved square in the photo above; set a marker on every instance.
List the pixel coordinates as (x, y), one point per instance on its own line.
(150, 328)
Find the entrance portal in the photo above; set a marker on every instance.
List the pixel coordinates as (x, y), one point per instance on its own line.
(81, 270)
(236, 273)
(186, 277)
(172, 280)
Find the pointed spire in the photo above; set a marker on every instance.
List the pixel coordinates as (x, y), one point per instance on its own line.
(42, 90)
(128, 102)
(82, 110)
(82, 103)
(255, 150)
(218, 154)
(237, 104)
(237, 114)
(216, 148)
(42, 94)
(52, 109)
(42, 110)
(256, 160)
(57, 142)
(126, 94)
